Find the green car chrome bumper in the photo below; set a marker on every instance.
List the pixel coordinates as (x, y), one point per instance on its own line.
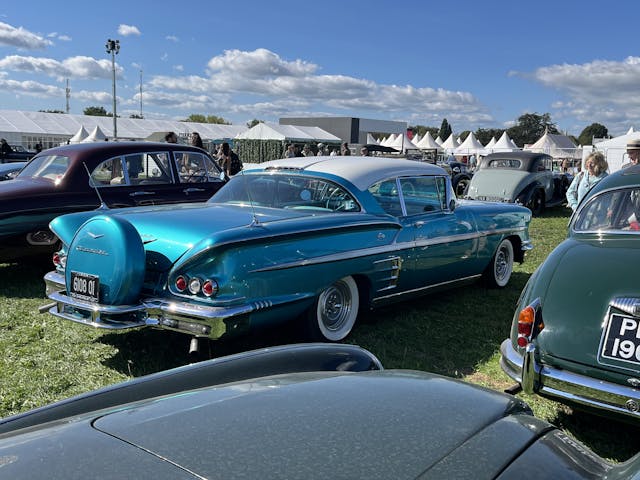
(193, 319)
(566, 386)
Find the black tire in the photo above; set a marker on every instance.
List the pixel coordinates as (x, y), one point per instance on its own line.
(536, 203)
(461, 185)
(498, 272)
(334, 312)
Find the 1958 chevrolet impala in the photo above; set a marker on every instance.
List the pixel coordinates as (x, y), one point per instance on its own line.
(318, 239)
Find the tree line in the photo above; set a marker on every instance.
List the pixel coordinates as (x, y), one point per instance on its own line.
(527, 130)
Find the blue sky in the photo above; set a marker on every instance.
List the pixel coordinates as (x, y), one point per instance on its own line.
(478, 64)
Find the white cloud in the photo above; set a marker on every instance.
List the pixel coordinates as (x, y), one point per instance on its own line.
(601, 90)
(75, 67)
(126, 30)
(178, 68)
(31, 88)
(21, 38)
(287, 86)
(173, 38)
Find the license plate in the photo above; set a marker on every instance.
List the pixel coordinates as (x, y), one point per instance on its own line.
(84, 286)
(622, 339)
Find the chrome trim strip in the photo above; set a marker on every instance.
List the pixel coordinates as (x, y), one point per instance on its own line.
(429, 287)
(567, 386)
(390, 248)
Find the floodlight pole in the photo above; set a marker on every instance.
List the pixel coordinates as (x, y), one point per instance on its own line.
(113, 47)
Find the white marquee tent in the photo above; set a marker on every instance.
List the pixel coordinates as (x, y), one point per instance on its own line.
(615, 149)
(450, 144)
(428, 143)
(80, 135)
(470, 146)
(558, 146)
(275, 131)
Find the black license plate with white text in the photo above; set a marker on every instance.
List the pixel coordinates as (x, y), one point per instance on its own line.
(84, 286)
(621, 340)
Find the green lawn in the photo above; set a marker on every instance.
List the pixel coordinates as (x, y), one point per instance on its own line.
(455, 333)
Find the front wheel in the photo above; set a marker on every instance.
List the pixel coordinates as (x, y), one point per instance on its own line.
(498, 272)
(334, 312)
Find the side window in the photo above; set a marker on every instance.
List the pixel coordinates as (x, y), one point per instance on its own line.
(108, 172)
(195, 167)
(387, 195)
(615, 210)
(148, 168)
(425, 194)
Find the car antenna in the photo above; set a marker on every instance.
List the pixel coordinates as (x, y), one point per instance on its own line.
(255, 222)
(91, 182)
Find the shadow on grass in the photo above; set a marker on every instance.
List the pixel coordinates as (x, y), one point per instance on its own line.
(448, 333)
(607, 437)
(25, 279)
(145, 351)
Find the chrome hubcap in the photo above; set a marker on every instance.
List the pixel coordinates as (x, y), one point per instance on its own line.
(336, 306)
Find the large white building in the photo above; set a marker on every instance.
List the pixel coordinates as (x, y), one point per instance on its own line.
(52, 129)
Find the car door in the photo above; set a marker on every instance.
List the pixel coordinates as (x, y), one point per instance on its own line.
(198, 175)
(446, 240)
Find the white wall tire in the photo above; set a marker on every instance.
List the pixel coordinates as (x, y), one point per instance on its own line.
(334, 312)
(499, 271)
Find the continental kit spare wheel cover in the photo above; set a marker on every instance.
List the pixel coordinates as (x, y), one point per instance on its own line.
(111, 249)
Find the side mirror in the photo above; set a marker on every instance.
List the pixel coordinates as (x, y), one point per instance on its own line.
(452, 204)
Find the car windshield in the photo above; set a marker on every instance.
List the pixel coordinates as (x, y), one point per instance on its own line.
(52, 167)
(617, 210)
(287, 191)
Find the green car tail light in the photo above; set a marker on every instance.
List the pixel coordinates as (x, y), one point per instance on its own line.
(529, 323)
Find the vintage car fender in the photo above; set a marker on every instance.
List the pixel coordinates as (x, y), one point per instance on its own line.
(115, 251)
(526, 194)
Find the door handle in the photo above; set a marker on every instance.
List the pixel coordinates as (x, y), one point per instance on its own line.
(193, 190)
(419, 223)
(138, 194)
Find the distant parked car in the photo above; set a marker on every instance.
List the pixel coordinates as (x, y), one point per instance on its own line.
(575, 335)
(80, 177)
(316, 239)
(10, 170)
(19, 153)
(298, 411)
(460, 176)
(525, 178)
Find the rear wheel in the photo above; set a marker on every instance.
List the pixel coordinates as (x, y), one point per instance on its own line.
(536, 204)
(334, 312)
(498, 272)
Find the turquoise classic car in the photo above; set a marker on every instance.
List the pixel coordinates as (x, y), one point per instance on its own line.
(575, 335)
(319, 239)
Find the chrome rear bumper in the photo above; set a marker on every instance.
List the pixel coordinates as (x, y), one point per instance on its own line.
(193, 319)
(565, 386)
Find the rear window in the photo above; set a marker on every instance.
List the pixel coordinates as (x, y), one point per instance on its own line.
(52, 167)
(505, 163)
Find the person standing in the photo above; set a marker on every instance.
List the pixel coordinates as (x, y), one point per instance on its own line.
(633, 151)
(596, 169)
(364, 151)
(306, 151)
(196, 140)
(5, 150)
(344, 150)
(229, 160)
(321, 150)
(171, 137)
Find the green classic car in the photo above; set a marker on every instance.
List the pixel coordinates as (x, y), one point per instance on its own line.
(311, 411)
(318, 239)
(575, 335)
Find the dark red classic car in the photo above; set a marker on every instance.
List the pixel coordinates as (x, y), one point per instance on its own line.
(78, 177)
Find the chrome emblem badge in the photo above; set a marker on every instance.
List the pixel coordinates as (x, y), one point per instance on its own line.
(95, 235)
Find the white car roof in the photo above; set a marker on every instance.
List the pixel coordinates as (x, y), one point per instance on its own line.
(361, 171)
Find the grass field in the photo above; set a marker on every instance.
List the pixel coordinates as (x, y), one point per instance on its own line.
(456, 333)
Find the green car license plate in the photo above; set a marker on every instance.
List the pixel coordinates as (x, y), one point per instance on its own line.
(84, 286)
(621, 340)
